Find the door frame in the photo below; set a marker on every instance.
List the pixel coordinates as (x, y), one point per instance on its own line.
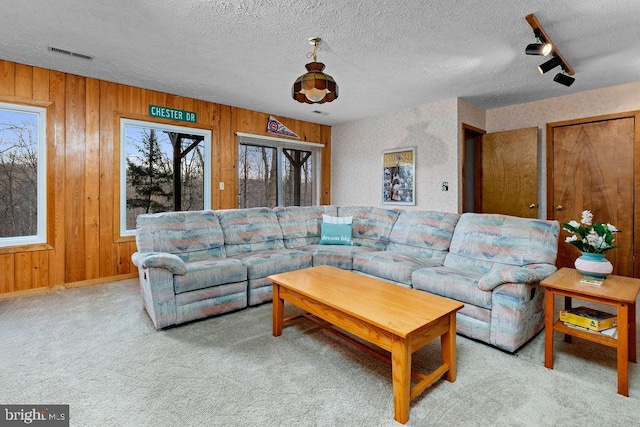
(636, 170)
(469, 132)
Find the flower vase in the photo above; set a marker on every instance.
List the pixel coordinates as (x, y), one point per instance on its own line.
(593, 265)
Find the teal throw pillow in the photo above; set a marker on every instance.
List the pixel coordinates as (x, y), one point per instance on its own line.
(335, 234)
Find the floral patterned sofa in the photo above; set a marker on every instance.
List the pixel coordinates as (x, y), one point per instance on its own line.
(202, 263)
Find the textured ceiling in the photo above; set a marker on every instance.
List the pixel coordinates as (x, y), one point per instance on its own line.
(385, 55)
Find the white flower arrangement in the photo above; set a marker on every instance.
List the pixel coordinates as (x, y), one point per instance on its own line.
(590, 237)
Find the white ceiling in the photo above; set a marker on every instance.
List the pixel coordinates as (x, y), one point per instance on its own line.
(386, 55)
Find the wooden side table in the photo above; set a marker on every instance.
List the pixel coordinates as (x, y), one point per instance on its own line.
(618, 291)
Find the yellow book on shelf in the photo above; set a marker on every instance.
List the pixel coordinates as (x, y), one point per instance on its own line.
(589, 318)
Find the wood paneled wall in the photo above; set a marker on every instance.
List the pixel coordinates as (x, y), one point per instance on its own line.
(83, 168)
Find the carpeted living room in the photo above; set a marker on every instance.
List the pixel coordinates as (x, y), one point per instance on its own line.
(418, 205)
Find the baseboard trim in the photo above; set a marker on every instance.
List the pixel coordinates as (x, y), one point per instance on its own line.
(66, 286)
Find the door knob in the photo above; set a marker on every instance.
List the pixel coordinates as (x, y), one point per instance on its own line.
(559, 207)
(533, 206)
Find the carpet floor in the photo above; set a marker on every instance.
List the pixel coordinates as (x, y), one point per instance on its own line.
(96, 350)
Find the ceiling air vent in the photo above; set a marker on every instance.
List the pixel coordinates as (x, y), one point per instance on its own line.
(68, 52)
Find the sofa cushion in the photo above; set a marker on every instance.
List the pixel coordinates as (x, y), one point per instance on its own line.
(371, 226)
(456, 283)
(301, 224)
(190, 235)
(210, 272)
(480, 240)
(425, 232)
(264, 263)
(249, 230)
(395, 266)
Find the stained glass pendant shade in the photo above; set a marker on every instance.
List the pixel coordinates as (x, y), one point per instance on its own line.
(315, 87)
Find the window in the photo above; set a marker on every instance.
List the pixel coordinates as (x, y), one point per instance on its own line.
(298, 188)
(23, 175)
(258, 183)
(151, 153)
(277, 172)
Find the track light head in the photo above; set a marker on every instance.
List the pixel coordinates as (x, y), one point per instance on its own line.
(549, 65)
(563, 79)
(543, 49)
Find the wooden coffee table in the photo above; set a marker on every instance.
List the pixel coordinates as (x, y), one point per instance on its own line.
(397, 319)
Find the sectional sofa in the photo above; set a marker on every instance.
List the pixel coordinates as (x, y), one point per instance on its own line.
(202, 263)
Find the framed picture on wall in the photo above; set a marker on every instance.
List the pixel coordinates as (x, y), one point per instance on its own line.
(399, 176)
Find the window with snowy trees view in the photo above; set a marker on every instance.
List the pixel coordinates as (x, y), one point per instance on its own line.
(163, 168)
(22, 174)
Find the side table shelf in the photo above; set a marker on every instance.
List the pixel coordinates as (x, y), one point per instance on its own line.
(617, 291)
(587, 335)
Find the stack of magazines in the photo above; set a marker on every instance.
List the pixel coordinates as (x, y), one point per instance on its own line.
(591, 319)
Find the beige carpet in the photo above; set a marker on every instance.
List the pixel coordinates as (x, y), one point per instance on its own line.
(96, 350)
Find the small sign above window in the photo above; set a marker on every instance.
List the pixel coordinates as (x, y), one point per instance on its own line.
(172, 114)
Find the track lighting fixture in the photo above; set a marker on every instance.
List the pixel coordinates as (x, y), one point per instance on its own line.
(563, 79)
(557, 59)
(543, 48)
(549, 65)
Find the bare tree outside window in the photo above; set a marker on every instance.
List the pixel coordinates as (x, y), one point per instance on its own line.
(193, 178)
(149, 175)
(153, 155)
(18, 173)
(257, 185)
(298, 177)
(269, 176)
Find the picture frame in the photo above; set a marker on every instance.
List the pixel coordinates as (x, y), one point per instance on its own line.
(399, 176)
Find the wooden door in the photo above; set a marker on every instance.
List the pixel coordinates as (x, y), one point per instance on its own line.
(510, 173)
(592, 168)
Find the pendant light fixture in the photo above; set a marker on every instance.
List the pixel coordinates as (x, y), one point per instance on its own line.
(314, 87)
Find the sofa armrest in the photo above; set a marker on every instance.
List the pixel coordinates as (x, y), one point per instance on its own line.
(529, 274)
(168, 261)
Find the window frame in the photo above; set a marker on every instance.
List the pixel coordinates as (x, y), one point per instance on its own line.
(124, 122)
(280, 144)
(41, 179)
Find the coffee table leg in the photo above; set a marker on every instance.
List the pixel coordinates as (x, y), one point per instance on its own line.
(278, 311)
(448, 344)
(401, 375)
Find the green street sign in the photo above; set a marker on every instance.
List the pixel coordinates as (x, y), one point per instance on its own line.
(171, 113)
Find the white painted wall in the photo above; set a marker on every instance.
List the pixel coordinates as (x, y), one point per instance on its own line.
(356, 156)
